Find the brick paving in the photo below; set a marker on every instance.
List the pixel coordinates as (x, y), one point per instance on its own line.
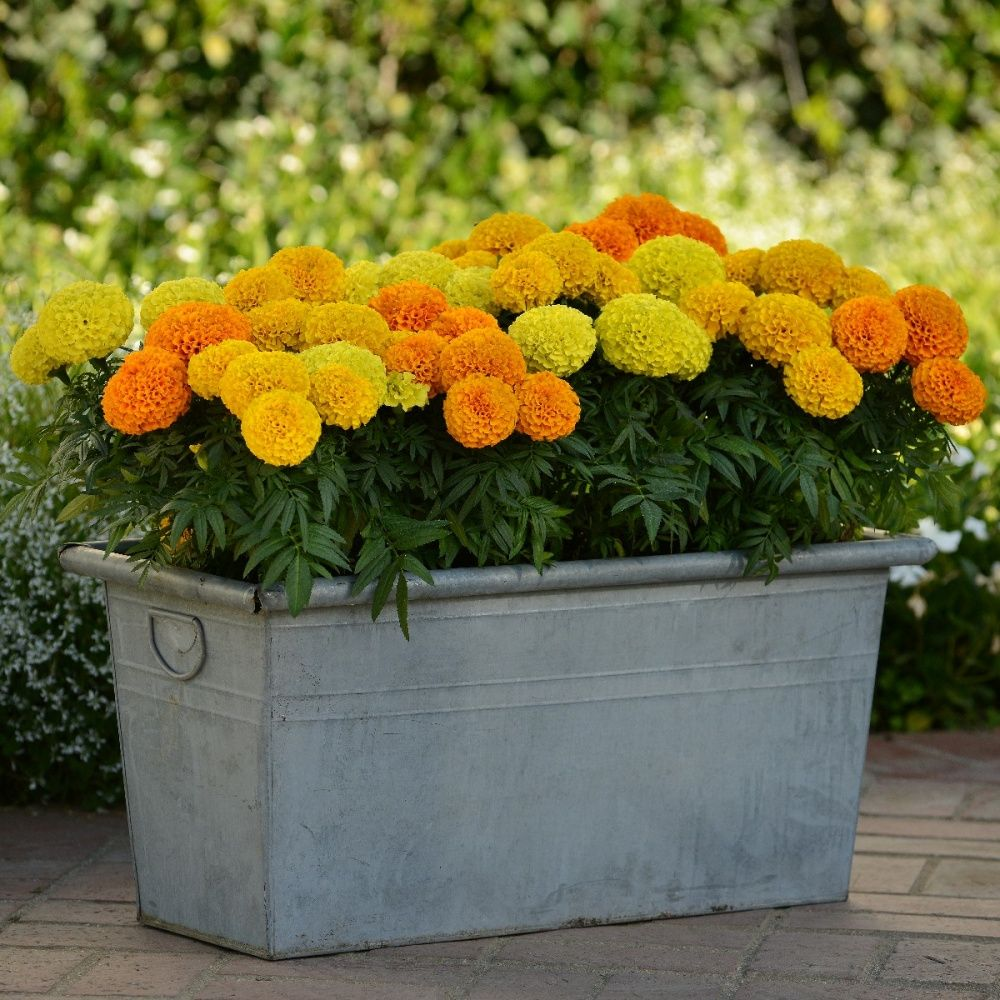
(922, 921)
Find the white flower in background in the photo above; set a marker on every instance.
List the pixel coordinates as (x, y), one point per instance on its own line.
(908, 576)
(974, 526)
(961, 455)
(946, 541)
(991, 582)
(917, 605)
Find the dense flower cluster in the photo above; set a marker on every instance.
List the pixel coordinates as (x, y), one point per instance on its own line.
(206, 368)
(84, 320)
(254, 286)
(614, 237)
(823, 382)
(186, 329)
(316, 274)
(480, 411)
(281, 427)
(28, 360)
(362, 362)
(870, 332)
(557, 339)
(410, 305)
(668, 266)
(361, 282)
(612, 280)
(525, 281)
(419, 355)
(505, 232)
(574, 257)
(148, 392)
(173, 293)
(336, 321)
(777, 326)
(417, 265)
(278, 325)
(548, 407)
(342, 397)
(744, 266)
(801, 267)
(858, 281)
(648, 215)
(936, 325)
(251, 375)
(482, 352)
(718, 306)
(471, 286)
(949, 390)
(454, 322)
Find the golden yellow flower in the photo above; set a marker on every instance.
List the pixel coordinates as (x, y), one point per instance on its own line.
(451, 248)
(252, 374)
(206, 368)
(28, 360)
(802, 267)
(778, 326)
(358, 359)
(718, 307)
(858, 281)
(173, 293)
(575, 257)
(254, 286)
(342, 397)
(612, 281)
(505, 232)
(821, 381)
(337, 321)
(281, 427)
(316, 273)
(743, 266)
(278, 325)
(476, 258)
(525, 280)
(84, 320)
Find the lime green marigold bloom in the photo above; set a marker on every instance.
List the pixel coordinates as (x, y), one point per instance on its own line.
(470, 286)
(28, 360)
(405, 392)
(644, 335)
(361, 282)
(84, 320)
(417, 265)
(556, 339)
(668, 266)
(359, 360)
(173, 293)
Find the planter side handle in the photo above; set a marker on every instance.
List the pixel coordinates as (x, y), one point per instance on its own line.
(179, 647)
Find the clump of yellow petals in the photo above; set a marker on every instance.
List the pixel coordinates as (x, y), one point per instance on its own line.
(451, 248)
(667, 266)
(417, 265)
(858, 281)
(717, 307)
(206, 368)
(525, 280)
(281, 427)
(28, 360)
(575, 257)
(505, 232)
(821, 381)
(254, 286)
(173, 293)
(277, 325)
(251, 375)
(345, 321)
(472, 286)
(779, 325)
(342, 397)
(476, 258)
(361, 361)
(557, 339)
(802, 267)
(361, 282)
(317, 274)
(611, 281)
(743, 266)
(84, 320)
(405, 391)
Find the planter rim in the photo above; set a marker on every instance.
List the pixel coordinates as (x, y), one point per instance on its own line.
(872, 553)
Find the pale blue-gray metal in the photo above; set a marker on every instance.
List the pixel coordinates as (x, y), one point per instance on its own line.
(611, 741)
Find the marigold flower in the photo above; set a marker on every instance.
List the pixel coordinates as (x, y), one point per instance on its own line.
(802, 267)
(316, 273)
(525, 280)
(281, 427)
(480, 411)
(697, 227)
(84, 320)
(557, 339)
(778, 326)
(471, 286)
(505, 232)
(743, 266)
(252, 374)
(361, 282)
(644, 335)
(612, 280)
(419, 354)
(417, 265)
(278, 325)
(936, 325)
(454, 322)
(342, 397)
(405, 391)
(28, 360)
(476, 258)
(186, 329)
(821, 381)
(206, 368)
(668, 266)
(482, 352)
(575, 257)
(718, 307)
(410, 305)
(649, 215)
(337, 321)
(948, 390)
(173, 293)
(254, 286)
(614, 237)
(548, 408)
(858, 281)
(147, 393)
(359, 360)
(870, 332)
(451, 248)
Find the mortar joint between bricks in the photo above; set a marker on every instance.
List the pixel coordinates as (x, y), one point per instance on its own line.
(880, 959)
(764, 930)
(924, 876)
(203, 978)
(478, 969)
(78, 971)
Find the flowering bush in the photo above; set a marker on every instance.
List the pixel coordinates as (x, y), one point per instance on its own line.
(570, 394)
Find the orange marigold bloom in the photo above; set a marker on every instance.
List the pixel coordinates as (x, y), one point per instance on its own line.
(420, 355)
(697, 227)
(147, 393)
(548, 407)
(870, 332)
(717, 307)
(451, 248)
(649, 215)
(316, 273)
(482, 352)
(476, 258)
(505, 232)
(186, 329)
(480, 411)
(410, 305)
(936, 325)
(254, 286)
(948, 390)
(615, 237)
(454, 322)
(743, 265)
(858, 281)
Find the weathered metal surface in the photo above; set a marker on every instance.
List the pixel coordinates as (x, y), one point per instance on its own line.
(596, 748)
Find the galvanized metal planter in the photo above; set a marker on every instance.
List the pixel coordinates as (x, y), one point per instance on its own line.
(610, 741)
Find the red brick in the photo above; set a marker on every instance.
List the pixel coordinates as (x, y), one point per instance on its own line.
(502, 983)
(937, 961)
(74, 911)
(660, 986)
(139, 975)
(112, 882)
(33, 971)
(941, 906)
(135, 938)
(839, 955)
(883, 873)
(976, 879)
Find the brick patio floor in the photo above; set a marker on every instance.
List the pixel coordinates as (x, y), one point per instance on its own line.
(923, 920)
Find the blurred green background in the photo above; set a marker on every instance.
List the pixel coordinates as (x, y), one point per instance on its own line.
(148, 139)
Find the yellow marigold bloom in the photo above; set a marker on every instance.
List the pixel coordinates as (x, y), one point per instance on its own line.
(476, 258)
(281, 427)
(254, 286)
(821, 381)
(482, 352)
(84, 320)
(342, 397)
(557, 339)
(393, 337)
(316, 273)
(668, 266)
(525, 280)
(802, 267)
(190, 327)
(472, 286)
(717, 307)
(480, 411)
(697, 227)
(252, 374)
(405, 391)
(420, 355)
(451, 248)
(548, 408)
(777, 326)
(858, 281)
(454, 322)
(936, 325)
(417, 265)
(743, 266)
(505, 232)
(410, 305)
(206, 368)
(649, 215)
(612, 280)
(575, 257)
(173, 293)
(147, 393)
(614, 237)
(870, 332)
(360, 361)
(644, 335)
(28, 361)
(948, 390)
(336, 321)
(361, 282)
(278, 325)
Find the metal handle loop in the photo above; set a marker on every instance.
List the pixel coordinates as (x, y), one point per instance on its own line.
(185, 642)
